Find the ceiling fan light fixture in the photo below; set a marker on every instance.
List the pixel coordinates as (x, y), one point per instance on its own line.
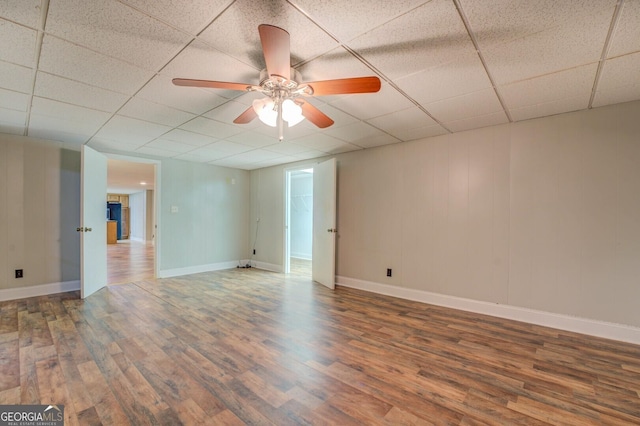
(291, 112)
(266, 110)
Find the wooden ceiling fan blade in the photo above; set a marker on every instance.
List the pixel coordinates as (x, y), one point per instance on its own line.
(211, 84)
(345, 86)
(315, 116)
(276, 49)
(246, 117)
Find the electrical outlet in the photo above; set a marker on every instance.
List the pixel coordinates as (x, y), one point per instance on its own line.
(254, 251)
(19, 273)
(388, 272)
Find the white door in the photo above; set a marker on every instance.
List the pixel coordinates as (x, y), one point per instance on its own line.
(93, 230)
(324, 223)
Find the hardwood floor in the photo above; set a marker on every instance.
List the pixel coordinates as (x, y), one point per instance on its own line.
(245, 346)
(300, 267)
(129, 261)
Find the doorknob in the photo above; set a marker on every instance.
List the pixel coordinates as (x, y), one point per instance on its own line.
(332, 230)
(81, 229)
(87, 229)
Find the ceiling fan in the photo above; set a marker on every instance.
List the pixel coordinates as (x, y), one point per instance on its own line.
(280, 83)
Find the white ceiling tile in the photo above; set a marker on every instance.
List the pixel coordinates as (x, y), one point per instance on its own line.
(549, 51)
(477, 122)
(196, 158)
(500, 21)
(354, 133)
(368, 105)
(240, 23)
(256, 155)
(339, 117)
(274, 161)
(287, 148)
(12, 121)
(318, 141)
(131, 131)
(74, 62)
(110, 145)
(73, 92)
(16, 77)
(66, 117)
(421, 133)
(621, 71)
(430, 35)
(550, 87)
(169, 145)
(626, 38)
(190, 138)
(25, 12)
(253, 139)
(466, 106)
(463, 75)
(235, 162)
(228, 112)
(203, 62)
(155, 113)
(17, 44)
(308, 155)
(398, 122)
(369, 142)
(116, 30)
(39, 127)
(356, 16)
(197, 101)
(549, 108)
(191, 19)
(225, 147)
(14, 100)
(156, 152)
(211, 128)
(617, 95)
(337, 63)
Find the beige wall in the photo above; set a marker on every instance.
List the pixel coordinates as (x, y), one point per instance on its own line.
(542, 214)
(40, 209)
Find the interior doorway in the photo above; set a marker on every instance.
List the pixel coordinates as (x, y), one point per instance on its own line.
(131, 252)
(299, 221)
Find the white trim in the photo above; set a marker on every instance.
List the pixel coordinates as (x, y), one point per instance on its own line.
(621, 332)
(267, 266)
(38, 290)
(137, 240)
(176, 272)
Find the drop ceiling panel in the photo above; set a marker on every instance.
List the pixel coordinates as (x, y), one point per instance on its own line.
(551, 87)
(77, 63)
(211, 128)
(355, 17)
(25, 12)
(191, 19)
(287, 148)
(619, 81)
(368, 105)
(190, 138)
(430, 35)
(337, 63)
(196, 101)
(229, 111)
(398, 122)
(17, 44)
(16, 77)
(66, 117)
(477, 122)
(81, 94)
(549, 108)
(463, 75)
(421, 132)
(155, 113)
(14, 100)
(549, 51)
(626, 38)
(12, 121)
(169, 145)
(354, 133)
(239, 25)
(318, 141)
(253, 139)
(465, 106)
(110, 145)
(502, 21)
(131, 131)
(203, 62)
(115, 30)
(155, 152)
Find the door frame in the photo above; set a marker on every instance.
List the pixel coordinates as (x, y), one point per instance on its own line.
(156, 201)
(286, 246)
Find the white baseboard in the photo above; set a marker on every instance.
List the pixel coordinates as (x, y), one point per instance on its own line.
(168, 273)
(137, 240)
(621, 332)
(38, 290)
(266, 266)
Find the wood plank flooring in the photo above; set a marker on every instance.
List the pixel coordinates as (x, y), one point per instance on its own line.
(129, 261)
(245, 346)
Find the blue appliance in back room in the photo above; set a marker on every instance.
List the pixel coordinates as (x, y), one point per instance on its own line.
(114, 212)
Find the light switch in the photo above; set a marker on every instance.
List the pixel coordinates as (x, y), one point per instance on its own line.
(174, 209)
